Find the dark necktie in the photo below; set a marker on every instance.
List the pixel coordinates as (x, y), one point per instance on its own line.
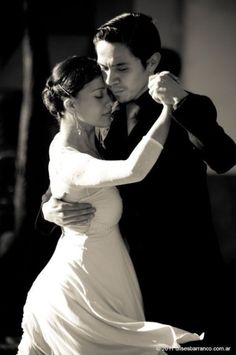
(132, 110)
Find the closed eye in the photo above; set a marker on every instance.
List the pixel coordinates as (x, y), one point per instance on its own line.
(101, 94)
(122, 68)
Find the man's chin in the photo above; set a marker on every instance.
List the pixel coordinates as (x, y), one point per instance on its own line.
(122, 98)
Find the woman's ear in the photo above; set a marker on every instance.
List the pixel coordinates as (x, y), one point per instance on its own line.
(69, 105)
(153, 62)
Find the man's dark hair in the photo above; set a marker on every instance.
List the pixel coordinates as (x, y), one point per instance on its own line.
(137, 31)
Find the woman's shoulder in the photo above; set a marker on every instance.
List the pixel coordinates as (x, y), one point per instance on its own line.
(57, 148)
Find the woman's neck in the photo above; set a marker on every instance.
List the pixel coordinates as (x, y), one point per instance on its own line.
(83, 141)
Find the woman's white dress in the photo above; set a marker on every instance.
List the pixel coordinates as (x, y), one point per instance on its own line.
(87, 301)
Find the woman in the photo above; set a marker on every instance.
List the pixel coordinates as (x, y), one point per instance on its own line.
(87, 299)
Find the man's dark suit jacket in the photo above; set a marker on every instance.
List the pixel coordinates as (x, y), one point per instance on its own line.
(167, 216)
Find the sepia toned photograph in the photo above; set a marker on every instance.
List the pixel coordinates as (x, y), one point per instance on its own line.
(117, 177)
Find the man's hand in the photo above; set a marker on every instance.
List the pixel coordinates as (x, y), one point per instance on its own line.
(64, 213)
(165, 88)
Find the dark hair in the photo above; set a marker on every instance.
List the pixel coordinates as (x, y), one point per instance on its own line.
(67, 79)
(171, 61)
(137, 31)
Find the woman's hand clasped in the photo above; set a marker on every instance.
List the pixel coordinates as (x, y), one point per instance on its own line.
(165, 88)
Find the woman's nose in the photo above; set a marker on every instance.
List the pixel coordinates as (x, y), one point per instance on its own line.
(109, 104)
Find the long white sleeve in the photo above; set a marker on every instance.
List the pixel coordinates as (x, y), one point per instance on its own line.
(79, 169)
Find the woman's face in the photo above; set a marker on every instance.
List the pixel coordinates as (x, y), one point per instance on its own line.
(93, 104)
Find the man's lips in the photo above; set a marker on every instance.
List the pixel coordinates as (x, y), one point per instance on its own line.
(117, 90)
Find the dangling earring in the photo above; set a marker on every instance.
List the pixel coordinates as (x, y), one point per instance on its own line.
(78, 130)
(77, 126)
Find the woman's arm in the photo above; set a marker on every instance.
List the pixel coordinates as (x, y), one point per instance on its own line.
(81, 169)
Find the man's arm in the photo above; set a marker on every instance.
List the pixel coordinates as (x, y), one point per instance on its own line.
(54, 213)
(197, 115)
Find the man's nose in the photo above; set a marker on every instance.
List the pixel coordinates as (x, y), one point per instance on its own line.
(111, 78)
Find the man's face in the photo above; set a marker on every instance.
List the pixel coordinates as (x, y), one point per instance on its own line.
(122, 71)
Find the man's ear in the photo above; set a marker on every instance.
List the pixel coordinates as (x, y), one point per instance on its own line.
(153, 62)
(69, 105)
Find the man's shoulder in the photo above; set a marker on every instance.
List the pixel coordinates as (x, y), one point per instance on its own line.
(196, 96)
(196, 101)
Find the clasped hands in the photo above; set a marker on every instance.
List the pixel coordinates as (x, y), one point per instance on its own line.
(165, 88)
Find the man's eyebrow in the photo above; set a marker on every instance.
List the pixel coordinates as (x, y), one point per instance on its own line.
(114, 65)
(121, 64)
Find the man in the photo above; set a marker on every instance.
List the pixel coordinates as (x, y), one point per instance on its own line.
(167, 217)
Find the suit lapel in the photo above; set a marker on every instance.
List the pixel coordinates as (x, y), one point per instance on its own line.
(116, 140)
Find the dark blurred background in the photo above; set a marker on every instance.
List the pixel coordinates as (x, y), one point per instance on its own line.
(199, 41)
